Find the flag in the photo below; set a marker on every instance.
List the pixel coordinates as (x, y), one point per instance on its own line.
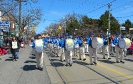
(59, 27)
(33, 29)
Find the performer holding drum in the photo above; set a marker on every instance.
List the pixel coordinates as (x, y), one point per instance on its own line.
(121, 43)
(69, 46)
(92, 49)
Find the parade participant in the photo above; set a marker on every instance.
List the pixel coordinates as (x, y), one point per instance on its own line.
(76, 46)
(85, 45)
(119, 51)
(112, 46)
(58, 47)
(62, 46)
(92, 51)
(69, 45)
(105, 47)
(39, 44)
(82, 43)
(54, 45)
(101, 49)
(14, 44)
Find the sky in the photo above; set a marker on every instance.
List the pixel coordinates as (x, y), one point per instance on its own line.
(54, 10)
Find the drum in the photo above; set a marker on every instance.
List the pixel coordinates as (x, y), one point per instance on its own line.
(124, 43)
(97, 42)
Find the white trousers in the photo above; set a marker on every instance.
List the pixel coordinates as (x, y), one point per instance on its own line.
(62, 54)
(105, 50)
(86, 48)
(68, 57)
(75, 51)
(39, 59)
(82, 52)
(93, 52)
(119, 52)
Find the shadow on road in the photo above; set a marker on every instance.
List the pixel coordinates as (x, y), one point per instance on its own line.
(32, 57)
(30, 61)
(57, 64)
(107, 61)
(131, 60)
(81, 63)
(29, 67)
(9, 59)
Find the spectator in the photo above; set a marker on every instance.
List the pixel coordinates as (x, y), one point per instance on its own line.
(14, 45)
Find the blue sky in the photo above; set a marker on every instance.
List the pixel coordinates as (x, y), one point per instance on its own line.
(53, 10)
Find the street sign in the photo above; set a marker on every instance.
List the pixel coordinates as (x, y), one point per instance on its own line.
(4, 25)
(122, 28)
(130, 28)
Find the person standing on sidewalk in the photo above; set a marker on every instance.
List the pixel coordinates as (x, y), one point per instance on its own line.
(38, 45)
(14, 45)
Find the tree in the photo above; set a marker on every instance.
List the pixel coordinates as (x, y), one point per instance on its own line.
(30, 17)
(127, 24)
(114, 24)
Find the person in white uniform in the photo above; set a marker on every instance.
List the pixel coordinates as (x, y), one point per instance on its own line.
(105, 47)
(69, 46)
(39, 44)
(92, 51)
(119, 51)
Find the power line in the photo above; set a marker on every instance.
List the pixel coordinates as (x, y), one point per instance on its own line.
(125, 16)
(122, 5)
(49, 8)
(100, 7)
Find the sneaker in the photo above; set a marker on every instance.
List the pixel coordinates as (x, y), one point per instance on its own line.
(84, 59)
(41, 69)
(70, 64)
(117, 62)
(122, 61)
(37, 68)
(67, 65)
(80, 59)
(109, 58)
(104, 58)
(91, 63)
(15, 59)
(95, 63)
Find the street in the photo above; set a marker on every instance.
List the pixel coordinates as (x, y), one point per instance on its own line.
(24, 70)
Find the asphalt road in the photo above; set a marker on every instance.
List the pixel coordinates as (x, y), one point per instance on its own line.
(24, 70)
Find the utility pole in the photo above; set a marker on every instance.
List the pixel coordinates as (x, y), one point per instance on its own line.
(109, 32)
(109, 19)
(20, 11)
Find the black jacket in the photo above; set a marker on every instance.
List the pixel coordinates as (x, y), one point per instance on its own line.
(14, 50)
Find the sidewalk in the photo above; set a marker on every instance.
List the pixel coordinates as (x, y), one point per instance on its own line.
(22, 71)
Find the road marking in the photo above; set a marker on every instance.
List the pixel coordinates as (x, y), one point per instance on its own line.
(115, 71)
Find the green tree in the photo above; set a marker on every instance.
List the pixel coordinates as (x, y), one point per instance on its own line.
(127, 24)
(114, 24)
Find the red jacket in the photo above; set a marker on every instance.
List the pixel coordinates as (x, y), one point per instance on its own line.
(131, 46)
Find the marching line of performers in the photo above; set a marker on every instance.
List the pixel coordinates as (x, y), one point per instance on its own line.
(68, 46)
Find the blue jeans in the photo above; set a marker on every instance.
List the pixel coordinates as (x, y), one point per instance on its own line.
(14, 55)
